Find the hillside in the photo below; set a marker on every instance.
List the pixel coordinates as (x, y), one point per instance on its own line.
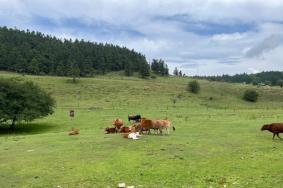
(30, 52)
(217, 140)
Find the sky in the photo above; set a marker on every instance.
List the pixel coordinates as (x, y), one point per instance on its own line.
(199, 37)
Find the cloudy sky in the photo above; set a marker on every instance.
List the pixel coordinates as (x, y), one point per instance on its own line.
(200, 37)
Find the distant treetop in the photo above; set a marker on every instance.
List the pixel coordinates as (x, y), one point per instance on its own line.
(262, 78)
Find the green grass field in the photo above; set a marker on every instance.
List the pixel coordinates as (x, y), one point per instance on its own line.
(217, 143)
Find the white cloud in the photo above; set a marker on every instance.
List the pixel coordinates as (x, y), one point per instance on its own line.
(200, 37)
(227, 37)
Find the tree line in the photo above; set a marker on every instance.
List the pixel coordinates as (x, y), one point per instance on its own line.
(271, 78)
(30, 52)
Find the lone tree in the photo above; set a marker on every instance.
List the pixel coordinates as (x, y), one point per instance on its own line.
(193, 86)
(74, 72)
(175, 72)
(23, 101)
(144, 70)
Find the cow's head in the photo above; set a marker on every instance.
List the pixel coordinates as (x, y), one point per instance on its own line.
(265, 127)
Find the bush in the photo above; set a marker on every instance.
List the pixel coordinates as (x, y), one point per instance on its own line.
(250, 95)
(153, 77)
(280, 83)
(194, 86)
(23, 101)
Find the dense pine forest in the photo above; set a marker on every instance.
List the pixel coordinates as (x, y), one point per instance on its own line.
(262, 78)
(30, 52)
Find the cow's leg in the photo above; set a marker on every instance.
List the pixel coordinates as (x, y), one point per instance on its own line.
(160, 131)
(278, 136)
(273, 136)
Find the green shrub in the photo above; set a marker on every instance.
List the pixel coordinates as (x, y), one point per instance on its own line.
(23, 101)
(280, 83)
(250, 95)
(153, 77)
(194, 86)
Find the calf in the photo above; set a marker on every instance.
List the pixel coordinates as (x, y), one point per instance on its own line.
(118, 123)
(125, 129)
(110, 130)
(275, 128)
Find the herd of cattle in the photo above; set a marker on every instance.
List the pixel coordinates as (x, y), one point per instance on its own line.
(141, 126)
(144, 125)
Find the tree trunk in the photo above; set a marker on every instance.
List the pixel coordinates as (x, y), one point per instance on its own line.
(12, 127)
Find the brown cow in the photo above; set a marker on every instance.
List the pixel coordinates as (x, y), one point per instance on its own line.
(163, 124)
(157, 125)
(110, 130)
(125, 129)
(118, 123)
(136, 128)
(145, 125)
(275, 128)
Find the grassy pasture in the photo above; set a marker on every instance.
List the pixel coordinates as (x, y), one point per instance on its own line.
(217, 143)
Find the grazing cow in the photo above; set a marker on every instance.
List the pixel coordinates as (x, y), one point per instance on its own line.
(74, 131)
(275, 128)
(110, 130)
(118, 123)
(136, 118)
(145, 125)
(156, 125)
(163, 124)
(125, 129)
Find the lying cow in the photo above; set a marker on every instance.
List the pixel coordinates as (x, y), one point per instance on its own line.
(118, 123)
(275, 128)
(110, 130)
(74, 131)
(125, 129)
(136, 118)
(132, 135)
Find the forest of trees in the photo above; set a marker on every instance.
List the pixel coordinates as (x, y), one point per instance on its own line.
(36, 53)
(265, 78)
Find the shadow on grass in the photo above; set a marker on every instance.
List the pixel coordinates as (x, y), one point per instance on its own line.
(26, 128)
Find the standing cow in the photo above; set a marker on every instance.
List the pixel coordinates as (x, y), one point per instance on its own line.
(156, 125)
(275, 128)
(136, 118)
